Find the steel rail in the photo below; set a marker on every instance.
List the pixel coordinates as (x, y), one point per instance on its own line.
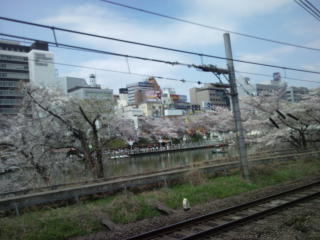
(157, 233)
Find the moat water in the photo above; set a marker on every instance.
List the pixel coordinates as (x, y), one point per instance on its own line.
(159, 161)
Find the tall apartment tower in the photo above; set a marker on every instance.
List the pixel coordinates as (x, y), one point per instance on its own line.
(20, 64)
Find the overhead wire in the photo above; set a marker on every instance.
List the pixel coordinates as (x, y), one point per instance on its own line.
(152, 75)
(86, 49)
(308, 9)
(115, 71)
(157, 76)
(129, 72)
(173, 63)
(313, 7)
(138, 43)
(209, 26)
(285, 77)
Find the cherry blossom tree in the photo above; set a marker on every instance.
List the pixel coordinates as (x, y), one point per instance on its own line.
(176, 127)
(276, 120)
(54, 132)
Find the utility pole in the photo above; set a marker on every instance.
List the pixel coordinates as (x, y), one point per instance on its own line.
(234, 99)
(236, 107)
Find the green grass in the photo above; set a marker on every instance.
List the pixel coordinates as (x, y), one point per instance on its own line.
(220, 187)
(84, 218)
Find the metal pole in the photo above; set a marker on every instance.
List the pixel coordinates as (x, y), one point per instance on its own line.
(236, 107)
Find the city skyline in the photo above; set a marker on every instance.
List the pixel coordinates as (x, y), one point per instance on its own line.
(101, 18)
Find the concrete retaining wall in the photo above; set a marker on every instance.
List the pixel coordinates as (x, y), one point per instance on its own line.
(133, 183)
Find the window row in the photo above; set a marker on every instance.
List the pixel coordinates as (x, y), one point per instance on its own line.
(13, 58)
(9, 83)
(9, 110)
(14, 66)
(10, 93)
(14, 75)
(10, 101)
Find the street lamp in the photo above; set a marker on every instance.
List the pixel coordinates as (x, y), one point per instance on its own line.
(130, 142)
(184, 139)
(160, 141)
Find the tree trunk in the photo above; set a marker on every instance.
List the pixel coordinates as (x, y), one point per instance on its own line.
(98, 151)
(303, 140)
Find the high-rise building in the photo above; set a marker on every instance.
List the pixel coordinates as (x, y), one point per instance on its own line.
(20, 64)
(140, 92)
(209, 96)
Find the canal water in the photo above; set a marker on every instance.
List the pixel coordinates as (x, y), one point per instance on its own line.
(155, 162)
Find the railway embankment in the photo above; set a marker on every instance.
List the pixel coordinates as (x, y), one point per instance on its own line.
(134, 212)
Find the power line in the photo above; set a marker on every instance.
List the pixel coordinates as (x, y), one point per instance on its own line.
(116, 71)
(313, 7)
(79, 48)
(53, 28)
(151, 75)
(308, 9)
(173, 63)
(210, 27)
(285, 77)
(159, 77)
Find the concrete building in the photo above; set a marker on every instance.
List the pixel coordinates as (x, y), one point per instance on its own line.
(276, 85)
(91, 92)
(151, 109)
(171, 100)
(20, 64)
(67, 83)
(291, 94)
(137, 92)
(173, 112)
(245, 88)
(130, 112)
(78, 87)
(209, 96)
(294, 94)
(123, 98)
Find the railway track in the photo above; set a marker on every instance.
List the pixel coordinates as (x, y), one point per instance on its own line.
(217, 222)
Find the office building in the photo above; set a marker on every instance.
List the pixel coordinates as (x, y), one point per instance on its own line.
(209, 96)
(20, 64)
(290, 94)
(145, 91)
(84, 91)
(67, 83)
(245, 88)
(276, 85)
(295, 94)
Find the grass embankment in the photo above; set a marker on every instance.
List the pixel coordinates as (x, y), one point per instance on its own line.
(85, 218)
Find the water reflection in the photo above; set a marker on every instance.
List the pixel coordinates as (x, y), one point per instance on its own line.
(156, 162)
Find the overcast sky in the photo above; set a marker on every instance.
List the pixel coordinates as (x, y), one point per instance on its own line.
(281, 20)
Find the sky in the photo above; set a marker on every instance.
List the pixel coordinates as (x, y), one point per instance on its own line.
(281, 20)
